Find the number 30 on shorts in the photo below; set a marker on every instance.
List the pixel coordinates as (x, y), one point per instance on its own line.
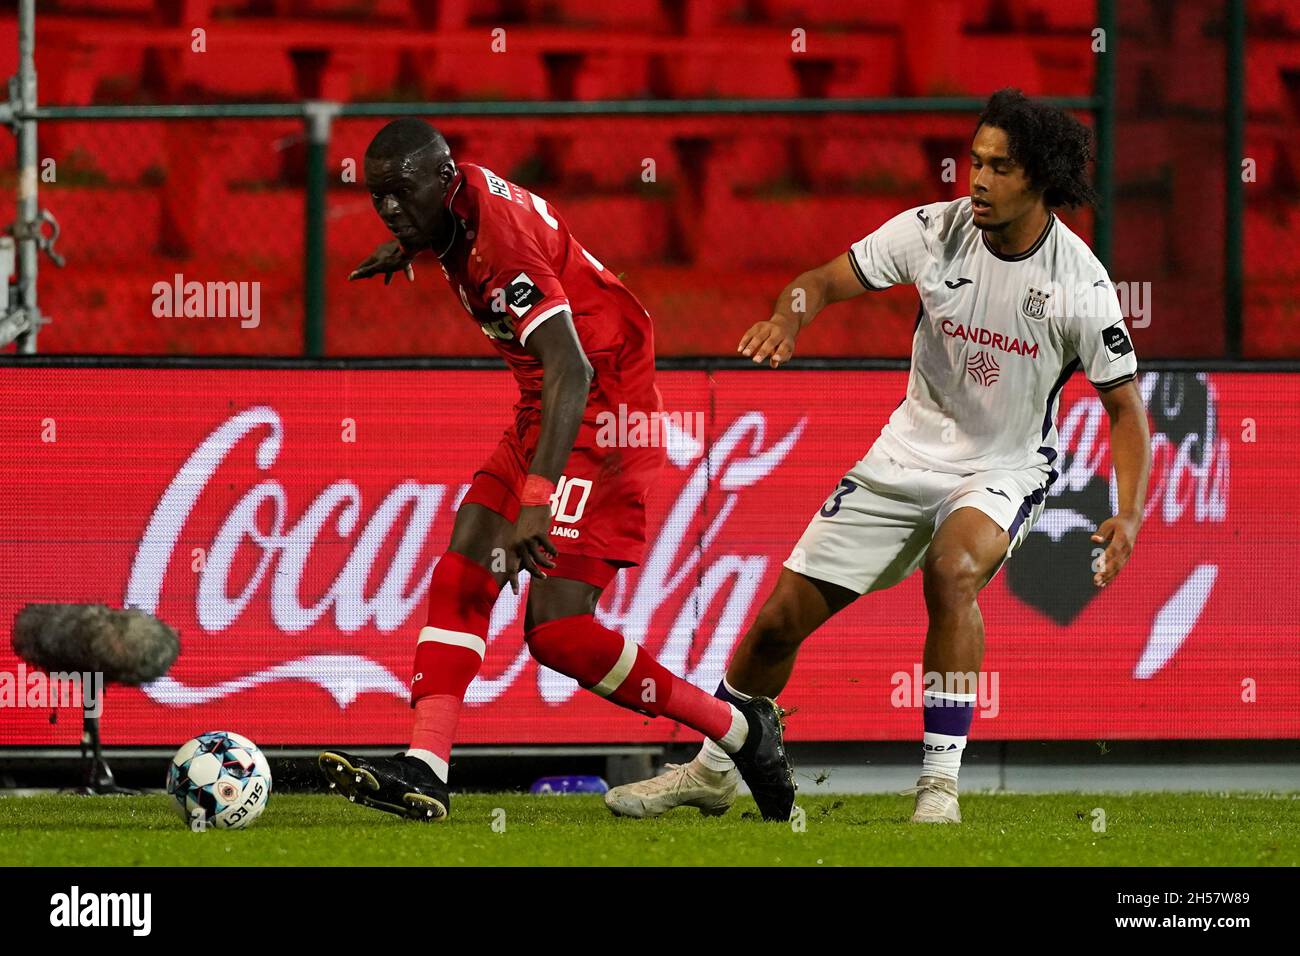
(833, 506)
(570, 499)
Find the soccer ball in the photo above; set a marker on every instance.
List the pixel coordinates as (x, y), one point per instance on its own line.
(220, 780)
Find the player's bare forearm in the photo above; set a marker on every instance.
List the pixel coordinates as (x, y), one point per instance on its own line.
(1130, 448)
(566, 380)
(566, 383)
(773, 340)
(1130, 443)
(802, 299)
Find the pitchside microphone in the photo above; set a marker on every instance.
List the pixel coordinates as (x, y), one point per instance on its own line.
(103, 646)
(128, 647)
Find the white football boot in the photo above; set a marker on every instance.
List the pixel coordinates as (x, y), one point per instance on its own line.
(680, 785)
(936, 800)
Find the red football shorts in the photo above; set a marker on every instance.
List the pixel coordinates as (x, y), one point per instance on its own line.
(598, 511)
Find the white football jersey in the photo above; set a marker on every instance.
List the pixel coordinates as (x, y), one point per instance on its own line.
(996, 337)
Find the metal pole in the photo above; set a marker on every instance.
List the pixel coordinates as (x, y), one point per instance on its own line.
(548, 108)
(1103, 222)
(1234, 187)
(318, 116)
(28, 207)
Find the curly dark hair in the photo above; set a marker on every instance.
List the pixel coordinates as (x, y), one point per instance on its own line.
(1053, 147)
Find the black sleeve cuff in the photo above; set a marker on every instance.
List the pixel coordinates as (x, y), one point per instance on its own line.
(1113, 383)
(853, 262)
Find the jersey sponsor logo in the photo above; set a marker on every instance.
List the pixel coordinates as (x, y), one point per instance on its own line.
(522, 294)
(920, 214)
(1117, 341)
(961, 281)
(1035, 303)
(497, 329)
(983, 367)
(980, 336)
(492, 328)
(496, 185)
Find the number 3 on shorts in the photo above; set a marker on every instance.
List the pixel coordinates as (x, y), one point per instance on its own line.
(833, 506)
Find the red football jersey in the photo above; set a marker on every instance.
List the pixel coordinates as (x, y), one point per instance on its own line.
(514, 264)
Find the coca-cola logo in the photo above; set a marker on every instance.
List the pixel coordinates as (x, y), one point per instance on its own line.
(681, 574)
(1052, 571)
(690, 600)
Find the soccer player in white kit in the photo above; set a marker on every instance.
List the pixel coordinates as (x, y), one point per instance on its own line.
(1012, 303)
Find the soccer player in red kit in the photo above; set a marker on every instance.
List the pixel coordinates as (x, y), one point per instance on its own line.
(579, 344)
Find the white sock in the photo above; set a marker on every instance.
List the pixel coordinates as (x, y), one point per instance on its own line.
(717, 756)
(942, 755)
(433, 761)
(714, 757)
(942, 752)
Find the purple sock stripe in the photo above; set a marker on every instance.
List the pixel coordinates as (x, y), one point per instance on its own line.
(948, 717)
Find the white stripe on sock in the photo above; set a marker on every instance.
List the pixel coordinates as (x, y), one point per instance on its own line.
(714, 757)
(436, 763)
(944, 695)
(441, 635)
(736, 736)
(712, 754)
(618, 673)
(735, 693)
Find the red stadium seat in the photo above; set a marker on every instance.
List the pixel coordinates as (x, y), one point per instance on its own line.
(732, 197)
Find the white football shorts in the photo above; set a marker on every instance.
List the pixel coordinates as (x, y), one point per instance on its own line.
(874, 529)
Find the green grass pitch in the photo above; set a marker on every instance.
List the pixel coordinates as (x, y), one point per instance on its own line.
(514, 829)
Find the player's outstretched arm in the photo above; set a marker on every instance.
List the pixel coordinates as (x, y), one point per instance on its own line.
(390, 257)
(773, 341)
(566, 382)
(1130, 449)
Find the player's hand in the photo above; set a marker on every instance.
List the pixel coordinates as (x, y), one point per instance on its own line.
(390, 257)
(771, 341)
(1117, 534)
(531, 550)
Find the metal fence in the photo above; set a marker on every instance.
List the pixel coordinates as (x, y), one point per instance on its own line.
(705, 216)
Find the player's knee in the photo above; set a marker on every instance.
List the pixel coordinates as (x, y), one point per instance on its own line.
(776, 629)
(480, 535)
(952, 578)
(479, 549)
(549, 602)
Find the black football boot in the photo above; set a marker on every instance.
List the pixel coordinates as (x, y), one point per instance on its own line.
(399, 784)
(762, 761)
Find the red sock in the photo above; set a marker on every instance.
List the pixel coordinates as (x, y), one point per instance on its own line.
(449, 654)
(610, 665)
